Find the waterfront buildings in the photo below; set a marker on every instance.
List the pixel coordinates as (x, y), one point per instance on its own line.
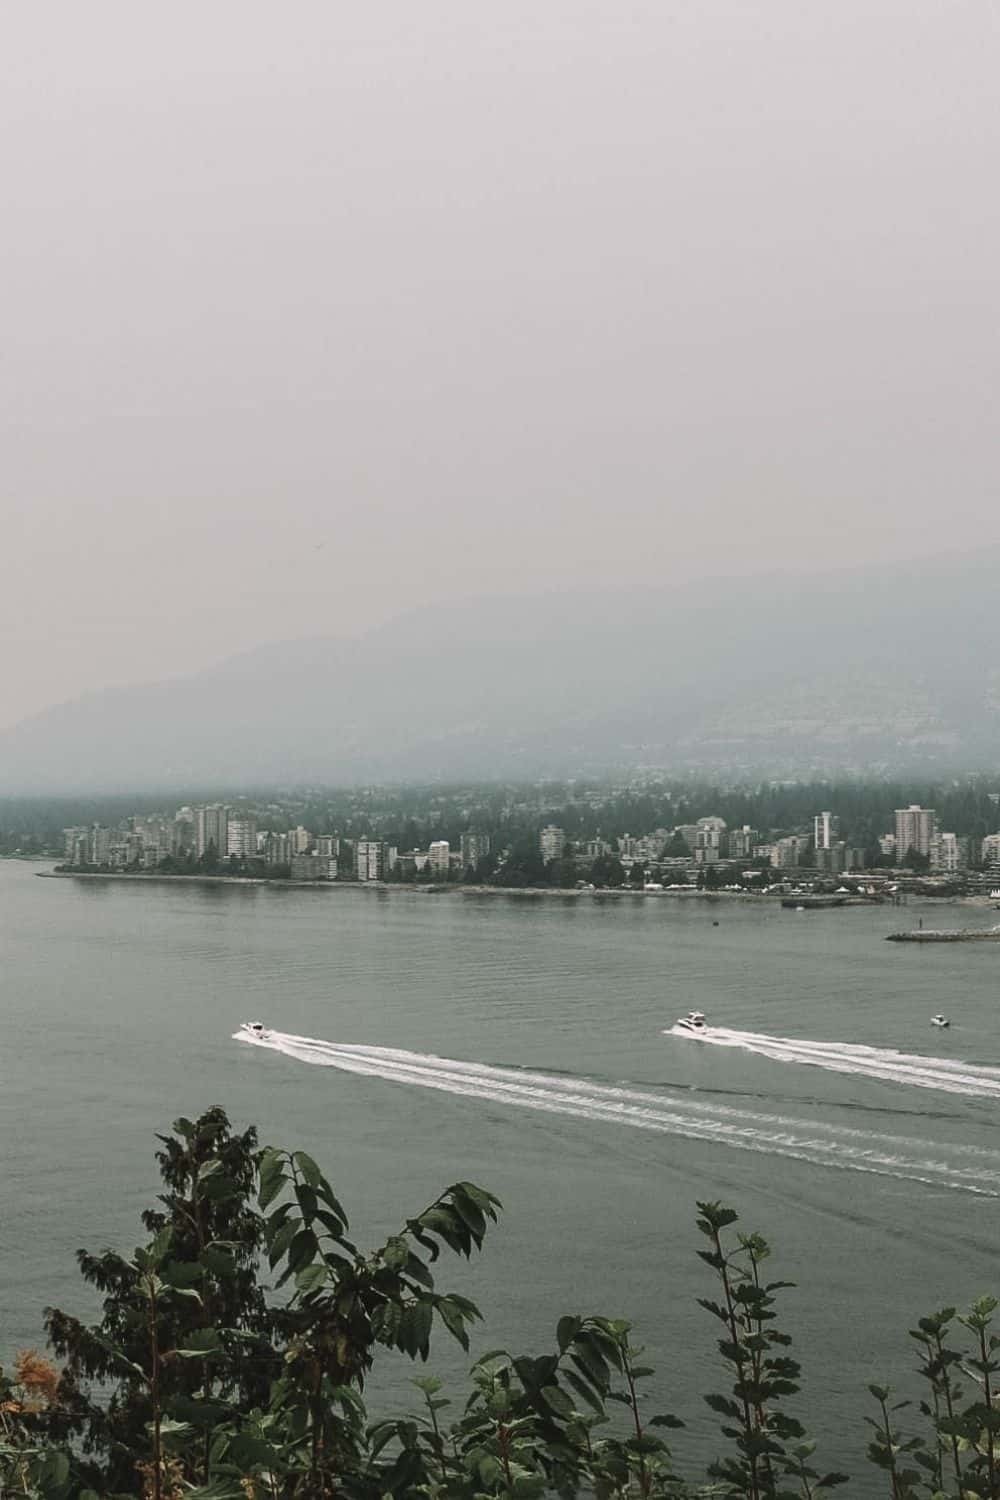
(825, 830)
(742, 841)
(313, 867)
(991, 850)
(439, 857)
(241, 837)
(551, 842)
(916, 826)
(708, 840)
(786, 853)
(947, 853)
(370, 859)
(211, 831)
(475, 847)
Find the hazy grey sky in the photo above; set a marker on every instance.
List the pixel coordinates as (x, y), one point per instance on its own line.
(314, 312)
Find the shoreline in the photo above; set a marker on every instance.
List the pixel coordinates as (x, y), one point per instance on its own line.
(451, 889)
(615, 893)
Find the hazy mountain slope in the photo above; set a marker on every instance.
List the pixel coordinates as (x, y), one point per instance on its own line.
(829, 672)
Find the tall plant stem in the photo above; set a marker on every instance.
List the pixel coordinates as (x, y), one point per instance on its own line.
(991, 1463)
(887, 1431)
(154, 1392)
(950, 1408)
(741, 1370)
(644, 1477)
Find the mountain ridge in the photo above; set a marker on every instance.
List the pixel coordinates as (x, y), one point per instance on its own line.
(833, 671)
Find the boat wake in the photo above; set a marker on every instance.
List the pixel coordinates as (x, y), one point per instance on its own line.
(940, 1073)
(968, 1169)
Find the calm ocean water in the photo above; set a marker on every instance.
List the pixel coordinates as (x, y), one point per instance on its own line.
(876, 1177)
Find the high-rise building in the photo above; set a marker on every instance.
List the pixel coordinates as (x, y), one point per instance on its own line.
(182, 833)
(301, 839)
(278, 848)
(328, 846)
(211, 830)
(439, 856)
(946, 853)
(369, 859)
(551, 842)
(832, 859)
(742, 841)
(825, 830)
(98, 845)
(915, 828)
(75, 846)
(475, 847)
(241, 837)
(991, 850)
(786, 853)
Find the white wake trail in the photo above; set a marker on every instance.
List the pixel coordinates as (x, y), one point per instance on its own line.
(968, 1169)
(884, 1063)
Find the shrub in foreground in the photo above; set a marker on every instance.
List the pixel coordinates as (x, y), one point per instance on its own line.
(197, 1383)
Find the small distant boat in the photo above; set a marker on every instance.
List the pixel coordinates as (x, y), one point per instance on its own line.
(940, 1020)
(693, 1021)
(254, 1030)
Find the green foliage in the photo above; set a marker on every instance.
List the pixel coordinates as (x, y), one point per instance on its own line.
(198, 1383)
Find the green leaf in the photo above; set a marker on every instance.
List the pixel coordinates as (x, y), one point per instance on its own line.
(303, 1249)
(311, 1277)
(272, 1177)
(157, 1251)
(558, 1401)
(281, 1241)
(219, 1262)
(199, 1343)
(566, 1331)
(453, 1321)
(584, 1391)
(218, 1188)
(178, 1273)
(310, 1171)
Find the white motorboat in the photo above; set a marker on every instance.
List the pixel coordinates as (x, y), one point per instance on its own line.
(940, 1020)
(254, 1030)
(693, 1021)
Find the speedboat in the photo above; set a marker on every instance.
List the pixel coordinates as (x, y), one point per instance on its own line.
(940, 1020)
(693, 1021)
(254, 1030)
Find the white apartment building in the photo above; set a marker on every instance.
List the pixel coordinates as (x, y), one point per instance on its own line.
(211, 828)
(369, 859)
(991, 850)
(742, 841)
(475, 847)
(551, 842)
(439, 856)
(241, 837)
(825, 830)
(915, 828)
(946, 853)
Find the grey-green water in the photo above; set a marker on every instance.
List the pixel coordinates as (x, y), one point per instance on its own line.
(118, 1007)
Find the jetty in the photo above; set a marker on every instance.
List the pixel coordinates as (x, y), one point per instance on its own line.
(946, 935)
(807, 901)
